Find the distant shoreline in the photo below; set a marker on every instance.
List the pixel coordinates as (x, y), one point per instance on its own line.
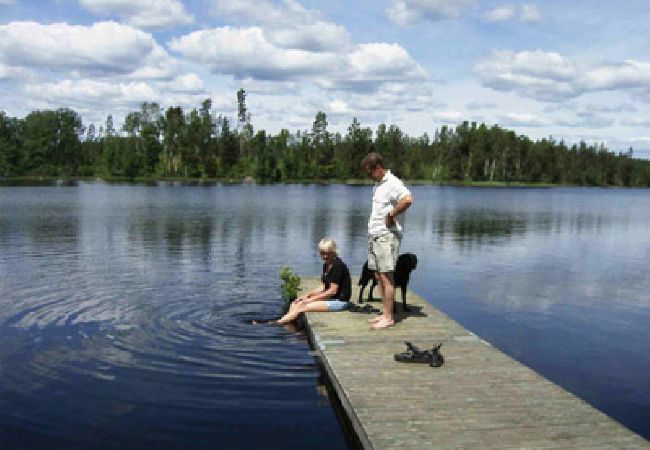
(68, 181)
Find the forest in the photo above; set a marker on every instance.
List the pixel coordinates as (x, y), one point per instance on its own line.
(156, 144)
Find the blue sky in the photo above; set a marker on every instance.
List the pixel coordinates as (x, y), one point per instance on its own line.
(576, 70)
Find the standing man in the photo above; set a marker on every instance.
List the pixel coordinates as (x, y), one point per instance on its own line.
(390, 198)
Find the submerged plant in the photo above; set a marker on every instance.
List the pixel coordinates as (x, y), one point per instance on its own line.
(290, 287)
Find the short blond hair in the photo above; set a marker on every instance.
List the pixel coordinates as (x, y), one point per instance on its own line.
(327, 245)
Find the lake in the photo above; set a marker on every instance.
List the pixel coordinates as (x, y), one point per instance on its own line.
(125, 309)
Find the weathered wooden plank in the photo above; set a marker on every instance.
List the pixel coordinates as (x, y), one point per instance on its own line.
(480, 397)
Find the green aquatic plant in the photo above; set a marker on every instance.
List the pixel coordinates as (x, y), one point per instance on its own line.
(290, 287)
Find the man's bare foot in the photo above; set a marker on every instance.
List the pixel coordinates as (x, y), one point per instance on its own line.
(382, 324)
(374, 319)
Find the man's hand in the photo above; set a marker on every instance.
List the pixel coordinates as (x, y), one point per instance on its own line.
(389, 220)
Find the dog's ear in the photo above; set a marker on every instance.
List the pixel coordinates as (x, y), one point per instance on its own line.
(411, 347)
(413, 260)
(437, 359)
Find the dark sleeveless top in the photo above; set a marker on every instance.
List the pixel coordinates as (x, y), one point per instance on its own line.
(340, 275)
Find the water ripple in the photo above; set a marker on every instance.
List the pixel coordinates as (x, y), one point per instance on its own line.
(124, 309)
(195, 352)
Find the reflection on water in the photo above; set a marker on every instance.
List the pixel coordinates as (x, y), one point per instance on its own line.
(556, 278)
(137, 298)
(469, 229)
(123, 321)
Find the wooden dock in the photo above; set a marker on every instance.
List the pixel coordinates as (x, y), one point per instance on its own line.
(479, 399)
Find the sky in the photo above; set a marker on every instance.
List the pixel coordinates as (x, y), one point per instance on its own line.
(571, 70)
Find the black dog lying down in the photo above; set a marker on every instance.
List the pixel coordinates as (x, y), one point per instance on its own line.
(406, 263)
(413, 354)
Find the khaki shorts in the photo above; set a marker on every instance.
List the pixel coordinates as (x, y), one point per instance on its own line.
(383, 251)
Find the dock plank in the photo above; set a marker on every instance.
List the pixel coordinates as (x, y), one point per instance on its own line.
(480, 397)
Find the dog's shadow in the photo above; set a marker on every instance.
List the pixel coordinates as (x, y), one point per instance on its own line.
(401, 314)
(413, 311)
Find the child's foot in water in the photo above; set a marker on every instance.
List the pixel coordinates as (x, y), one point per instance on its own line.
(262, 322)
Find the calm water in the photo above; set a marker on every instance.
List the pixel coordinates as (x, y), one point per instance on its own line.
(124, 308)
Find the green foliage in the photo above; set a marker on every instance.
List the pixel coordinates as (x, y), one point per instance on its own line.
(10, 142)
(290, 284)
(290, 287)
(228, 147)
(175, 143)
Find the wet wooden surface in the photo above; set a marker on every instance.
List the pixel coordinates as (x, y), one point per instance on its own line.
(480, 398)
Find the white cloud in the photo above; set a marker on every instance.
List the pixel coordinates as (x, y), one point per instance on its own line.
(264, 87)
(549, 76)
(318, 36)
(523, 120)
(289, 25)
(572, 107)
(189, 83)
(407, 12)
(261, 11)
(104, 48)
(530, 13)
(89, 95)
(91, 89)
(283, 43)
(16, 73)
(142, 13)
(338, 107)
(246, 53)
(587, 119)
(368, 66)
(541, 75)
(571, 119)
(641, 122)
(524, 13)
(157, 65)
(480, 105)
(500, 14)
(626, 75)
(386, 105)
(394, 96)
(94, 99)
(7, 2)
(384, 61)
(448, 116)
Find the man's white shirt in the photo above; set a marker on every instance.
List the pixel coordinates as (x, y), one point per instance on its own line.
(385, 195)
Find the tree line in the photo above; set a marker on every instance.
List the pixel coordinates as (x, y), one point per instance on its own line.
(198, 144)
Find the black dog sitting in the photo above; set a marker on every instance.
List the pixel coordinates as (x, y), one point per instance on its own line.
(406, 263)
